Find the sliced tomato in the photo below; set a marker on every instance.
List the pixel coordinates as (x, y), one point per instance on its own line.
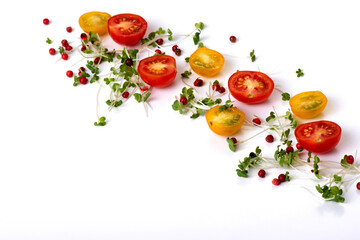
(308, 104)
(206, 62)
(95, 22)
(250, 87)
(158, 70)
(318, 136)
(127, 29)
(225, 122)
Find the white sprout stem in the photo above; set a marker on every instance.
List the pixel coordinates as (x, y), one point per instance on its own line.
(264, 130)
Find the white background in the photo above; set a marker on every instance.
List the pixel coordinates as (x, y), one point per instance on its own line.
(167, 176)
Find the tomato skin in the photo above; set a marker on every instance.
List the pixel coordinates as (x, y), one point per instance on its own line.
(318, 136)
(250, 86)
(127, 28)
(206, 62)
(95, 22)
(158, 70)
(226, 122)
(308, 104)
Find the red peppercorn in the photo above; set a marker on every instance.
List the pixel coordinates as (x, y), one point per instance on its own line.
(289, 149)
(129, 62)
(234, 140)
(183, 100)
(177, 52)
(97, 60)
(68, 48)
(46, 21)
(269, 138)
(69, 29)
(216, 87)
(232, 39)
(52, 51)
(160, 41)
(350, 159)
(198, 82)
(69, 73)
(65, 56)
(261, 173)
(256, 121)
(144, 88)
(299, 146)
(64, 42)
(83, 36)
(221, 90)
(83, 48)
(358, 185)
(158, 51)
(282, 177)
(83, 80)
(174, 48)
(81, 69)
(276, 182)
(125, 94)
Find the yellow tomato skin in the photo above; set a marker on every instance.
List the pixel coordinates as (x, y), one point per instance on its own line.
(225, 122)
(95, 22)
(308, 104)
(206, 62)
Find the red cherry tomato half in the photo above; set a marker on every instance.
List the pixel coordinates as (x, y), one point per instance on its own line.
(158, 70)
(127, 29)
(250, 86)
(318, 136)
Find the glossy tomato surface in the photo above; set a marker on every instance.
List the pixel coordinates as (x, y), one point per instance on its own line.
(225, 122)
(127, 29)
(250, 86)
(158, 70)
(206, 62)
(318, 136)
(308, 104)
(95, 22)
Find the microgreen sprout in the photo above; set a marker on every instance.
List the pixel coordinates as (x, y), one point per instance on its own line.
(252, 55)
(49, 41)
(299, 73)
(101, 122)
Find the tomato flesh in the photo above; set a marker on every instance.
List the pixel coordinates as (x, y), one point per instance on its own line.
(225, 122)
(206, 62)
(308, 104)
(250, 86)
(127, 29)
(318, 136)
(95, 22)
(158, 70)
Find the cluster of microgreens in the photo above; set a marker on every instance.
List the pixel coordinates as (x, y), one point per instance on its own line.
(124, 82)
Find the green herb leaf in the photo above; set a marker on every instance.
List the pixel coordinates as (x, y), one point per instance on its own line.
(231, 144)
(285, 96)
(252, 55)
(49, 41)
(299, 73)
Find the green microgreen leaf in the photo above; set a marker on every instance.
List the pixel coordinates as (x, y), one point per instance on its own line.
(101, 122)
(231, 144)
(252, 55)
(49, 41)
(186, 74)
(285, 96)
(299, 73)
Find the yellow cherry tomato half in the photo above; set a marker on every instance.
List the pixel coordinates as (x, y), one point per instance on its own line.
(95, 22)
(308, 104)
(225, 122)
(206, 62)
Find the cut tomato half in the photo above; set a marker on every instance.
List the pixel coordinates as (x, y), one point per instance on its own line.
(127, 29)
(319, 136)
(158, 70)
(250, 86)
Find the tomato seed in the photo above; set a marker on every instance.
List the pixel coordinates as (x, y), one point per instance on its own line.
(358, 185)
(183, 100)
(198, 82)
(65, 56)
(83, 80)
(282, 177)
(232, 39)
(269, 138)
(261, 173)
(69, 29)
(276, 182)
(125, 94)
(350, 159)
(69, 73)
(52, 51)
(46, 21)
(256, 121)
